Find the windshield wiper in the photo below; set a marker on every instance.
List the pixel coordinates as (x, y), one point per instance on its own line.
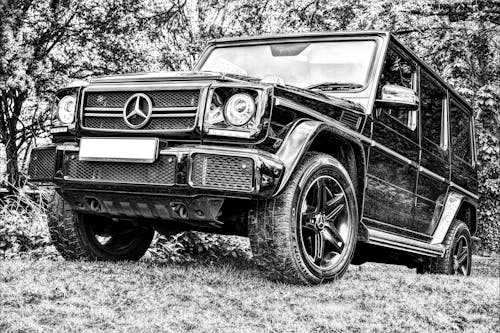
(331, 86)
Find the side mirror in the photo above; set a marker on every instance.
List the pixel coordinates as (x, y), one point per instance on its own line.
(397, 96)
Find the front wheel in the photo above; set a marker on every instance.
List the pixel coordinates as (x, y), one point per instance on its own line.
(81, 236)
(308, 233)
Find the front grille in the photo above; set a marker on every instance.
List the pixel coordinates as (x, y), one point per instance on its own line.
(173, 110)
(223, 172)
(42, 164)
(161, 172)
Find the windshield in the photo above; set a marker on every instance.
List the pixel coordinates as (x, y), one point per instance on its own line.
(328, 66)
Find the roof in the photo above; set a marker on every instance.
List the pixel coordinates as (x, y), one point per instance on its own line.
(301, 35)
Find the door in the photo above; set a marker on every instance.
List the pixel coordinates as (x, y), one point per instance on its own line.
(434, 171)
(394, 155)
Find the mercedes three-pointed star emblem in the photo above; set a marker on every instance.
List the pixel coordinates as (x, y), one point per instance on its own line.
(137, 111)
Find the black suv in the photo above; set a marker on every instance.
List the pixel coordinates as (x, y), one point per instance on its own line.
(324, 149)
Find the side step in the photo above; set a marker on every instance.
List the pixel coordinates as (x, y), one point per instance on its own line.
(381, 238)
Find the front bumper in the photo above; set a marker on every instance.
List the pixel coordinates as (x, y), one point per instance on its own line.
(182, 171)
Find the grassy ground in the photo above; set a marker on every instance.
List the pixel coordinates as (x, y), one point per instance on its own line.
(232, 297)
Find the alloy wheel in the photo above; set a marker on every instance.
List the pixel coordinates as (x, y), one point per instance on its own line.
(324, 223)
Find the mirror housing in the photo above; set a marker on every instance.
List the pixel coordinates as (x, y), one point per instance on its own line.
(397, 96)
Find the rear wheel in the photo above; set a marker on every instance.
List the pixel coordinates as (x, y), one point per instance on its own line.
(458, 257)
(76, 235)
(308, 233)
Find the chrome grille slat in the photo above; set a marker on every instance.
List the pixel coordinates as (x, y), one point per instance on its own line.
(104, 115)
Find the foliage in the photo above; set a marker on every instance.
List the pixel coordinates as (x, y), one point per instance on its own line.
(23, 227)
(188, 246)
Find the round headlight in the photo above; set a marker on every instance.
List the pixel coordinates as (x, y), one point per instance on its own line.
(66, 109)
(239, 109)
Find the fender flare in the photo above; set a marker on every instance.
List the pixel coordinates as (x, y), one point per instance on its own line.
(300, 137)
(452, 206)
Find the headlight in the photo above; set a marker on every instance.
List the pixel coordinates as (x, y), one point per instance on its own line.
(239, 109)
(66, 109)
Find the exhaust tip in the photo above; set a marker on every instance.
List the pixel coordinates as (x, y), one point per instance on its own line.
(93, 204)
(179, 209)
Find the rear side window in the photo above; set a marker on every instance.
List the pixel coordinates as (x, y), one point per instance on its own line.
(461, 138)
(432, 101)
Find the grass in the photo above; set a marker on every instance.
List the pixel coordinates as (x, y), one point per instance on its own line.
(231, 296)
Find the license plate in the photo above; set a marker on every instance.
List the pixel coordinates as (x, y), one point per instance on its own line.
(142, 150)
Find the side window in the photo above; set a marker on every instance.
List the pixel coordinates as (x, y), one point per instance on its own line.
(432, 101)
(461, 138)
(398, 71)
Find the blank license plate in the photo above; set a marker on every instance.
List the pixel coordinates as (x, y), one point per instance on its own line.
(119, 150)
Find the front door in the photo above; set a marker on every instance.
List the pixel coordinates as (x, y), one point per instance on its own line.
(394, 155)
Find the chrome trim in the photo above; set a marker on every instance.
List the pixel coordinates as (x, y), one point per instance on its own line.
(432, 174)
(177, 108)
(450, 209)
(385, 239)
(93, 108)
(393, 153)
(172, 108)
(68, 148)
(105, 115)
(384, 224)
(194, 85)
(465, 191)
(173, 115)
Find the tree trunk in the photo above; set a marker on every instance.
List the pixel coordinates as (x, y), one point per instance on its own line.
(11, 103)
(12, 168)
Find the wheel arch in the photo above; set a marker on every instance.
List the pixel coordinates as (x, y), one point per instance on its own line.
(467, 213)
(311, 135)
(457, 207)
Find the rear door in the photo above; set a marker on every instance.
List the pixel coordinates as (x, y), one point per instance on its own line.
(434, 170)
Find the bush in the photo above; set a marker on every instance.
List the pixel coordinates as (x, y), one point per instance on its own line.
(23, 225)
(190, 245)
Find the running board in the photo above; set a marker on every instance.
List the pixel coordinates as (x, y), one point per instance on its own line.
(377, 237)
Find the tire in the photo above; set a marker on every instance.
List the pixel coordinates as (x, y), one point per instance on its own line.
(79, 236)
(286, 230)
(458, 255)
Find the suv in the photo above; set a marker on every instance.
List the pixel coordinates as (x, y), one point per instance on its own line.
(324, 149)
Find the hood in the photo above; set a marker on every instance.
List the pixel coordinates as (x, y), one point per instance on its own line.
(166, 76)
(212, 76)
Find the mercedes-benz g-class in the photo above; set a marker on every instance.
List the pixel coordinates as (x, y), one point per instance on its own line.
(324, 149)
